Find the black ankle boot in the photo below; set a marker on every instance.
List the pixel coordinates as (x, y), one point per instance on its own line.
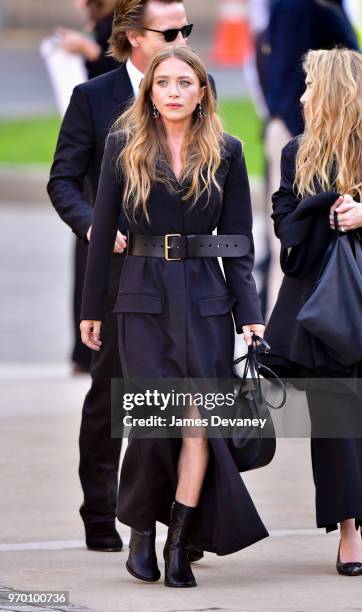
(142, 560)
(178, 571)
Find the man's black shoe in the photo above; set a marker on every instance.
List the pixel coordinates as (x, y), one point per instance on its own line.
(103, 538)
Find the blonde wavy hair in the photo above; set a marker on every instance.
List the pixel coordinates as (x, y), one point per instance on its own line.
(144, 141)
(330, 149)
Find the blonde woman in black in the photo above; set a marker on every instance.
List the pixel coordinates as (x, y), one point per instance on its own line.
(322, 173)
(174, 176)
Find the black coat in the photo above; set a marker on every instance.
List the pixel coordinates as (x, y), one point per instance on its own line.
(74, 176)
(302, 225)
(169, 214)
(174, 321)
(295, 27)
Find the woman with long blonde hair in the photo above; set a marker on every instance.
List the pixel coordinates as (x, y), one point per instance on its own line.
(322, 173)
(170, 176)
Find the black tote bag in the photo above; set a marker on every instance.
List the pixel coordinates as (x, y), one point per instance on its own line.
(256, 448)
(333, 311)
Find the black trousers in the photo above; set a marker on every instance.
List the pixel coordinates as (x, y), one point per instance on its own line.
(81, 354)
(99, 452)
(336, 462)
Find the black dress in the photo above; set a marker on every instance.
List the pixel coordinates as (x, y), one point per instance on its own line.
(175, 321)
(302, 225)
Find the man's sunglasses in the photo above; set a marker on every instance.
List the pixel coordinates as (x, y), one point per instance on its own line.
(171, 35)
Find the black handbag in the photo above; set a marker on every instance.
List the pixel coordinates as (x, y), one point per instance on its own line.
(333, 310)
(255, 448)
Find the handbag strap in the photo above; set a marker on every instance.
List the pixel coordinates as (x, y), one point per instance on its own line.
(255, 368)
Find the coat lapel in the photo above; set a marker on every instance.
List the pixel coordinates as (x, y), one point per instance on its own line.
(122, 90)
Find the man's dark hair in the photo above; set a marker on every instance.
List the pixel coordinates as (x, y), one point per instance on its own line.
(128, 14)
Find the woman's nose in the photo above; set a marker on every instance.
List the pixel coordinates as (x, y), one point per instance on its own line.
(174, 90)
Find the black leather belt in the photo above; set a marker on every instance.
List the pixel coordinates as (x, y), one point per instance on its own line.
(174, 247)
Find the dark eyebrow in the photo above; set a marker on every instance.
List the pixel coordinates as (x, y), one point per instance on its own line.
(165, 76)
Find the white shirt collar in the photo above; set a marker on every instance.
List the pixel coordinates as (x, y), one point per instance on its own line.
(135, 76)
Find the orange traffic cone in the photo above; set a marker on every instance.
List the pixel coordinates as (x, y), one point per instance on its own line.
(233, 42)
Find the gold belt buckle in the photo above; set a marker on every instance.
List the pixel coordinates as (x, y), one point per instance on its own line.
(167, 247)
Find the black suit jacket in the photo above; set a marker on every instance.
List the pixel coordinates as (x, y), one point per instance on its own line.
(295, 27)
(74, 175)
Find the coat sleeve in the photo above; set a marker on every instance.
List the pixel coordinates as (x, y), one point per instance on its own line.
(104, 229)
(71, 161)
(301, 224)
(236, 219)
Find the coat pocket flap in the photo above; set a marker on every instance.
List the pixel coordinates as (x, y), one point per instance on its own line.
(139, 302)
(216, 305)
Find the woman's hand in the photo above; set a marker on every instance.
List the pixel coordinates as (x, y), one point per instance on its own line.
(253, 328)
(90, 332)
(349, 213)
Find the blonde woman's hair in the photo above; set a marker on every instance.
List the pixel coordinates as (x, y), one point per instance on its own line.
(144, 141)
(330, 149)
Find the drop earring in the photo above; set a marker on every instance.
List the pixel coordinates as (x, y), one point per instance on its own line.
(155, 113)
(200, 111)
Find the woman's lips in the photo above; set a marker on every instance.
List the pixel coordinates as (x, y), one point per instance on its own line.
(174, 105)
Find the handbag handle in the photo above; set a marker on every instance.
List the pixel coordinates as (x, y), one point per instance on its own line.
(252, 364)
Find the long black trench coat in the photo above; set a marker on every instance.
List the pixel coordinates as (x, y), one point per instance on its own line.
(175, 321)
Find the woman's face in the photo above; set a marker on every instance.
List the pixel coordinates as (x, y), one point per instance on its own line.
(176, 90)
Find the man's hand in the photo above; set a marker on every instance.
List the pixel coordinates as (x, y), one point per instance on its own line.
(121, 241)
(90, 332)
(253, 328)
(349, 213)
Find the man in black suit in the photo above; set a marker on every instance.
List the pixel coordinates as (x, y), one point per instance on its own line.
(137, 34)
(94, 51)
